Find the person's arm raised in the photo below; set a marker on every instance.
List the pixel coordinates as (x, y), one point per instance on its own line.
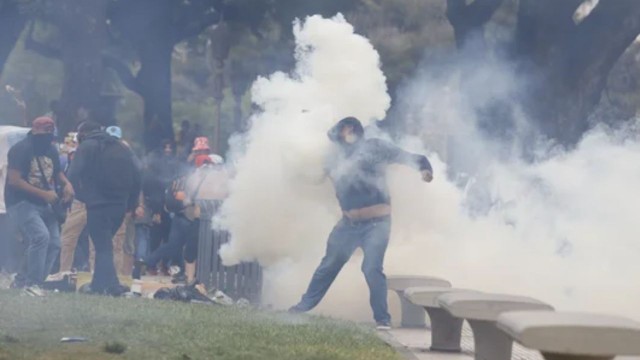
(396, 155)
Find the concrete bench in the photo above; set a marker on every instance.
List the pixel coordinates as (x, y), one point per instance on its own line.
(446, 331)
(481, 310)
(573, 336)
(412, 316)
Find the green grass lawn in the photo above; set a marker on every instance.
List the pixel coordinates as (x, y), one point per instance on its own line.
(31, 328)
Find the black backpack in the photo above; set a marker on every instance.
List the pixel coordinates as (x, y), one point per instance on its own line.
(172, 204)
(116, 168)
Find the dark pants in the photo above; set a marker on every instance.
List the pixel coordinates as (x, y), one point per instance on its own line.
(103, 223)
(183, 232)
(160, 232)
(372, 236)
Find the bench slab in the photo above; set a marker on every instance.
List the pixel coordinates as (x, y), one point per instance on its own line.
(427, 296)
(412, 316)
(402, 282)
(486, 307)
(570, 333)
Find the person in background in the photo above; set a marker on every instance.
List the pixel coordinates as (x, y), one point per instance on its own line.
(200, 147)
(183, 203)
(123, 260)
(162, 167)
(358, 171)
(77, 222)
(143, 220)
(76, 219)
(210, 180)
(183, 141)
(30, 191)
(108, 182)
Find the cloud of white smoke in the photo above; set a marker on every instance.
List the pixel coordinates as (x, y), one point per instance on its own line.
(562, 230)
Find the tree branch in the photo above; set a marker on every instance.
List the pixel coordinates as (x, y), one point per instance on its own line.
(542, 25)
(469, 19)
(195, 18)
(474, 15)
(601, 38)
(124, 72)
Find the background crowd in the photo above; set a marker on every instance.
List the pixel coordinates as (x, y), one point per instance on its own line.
(86, 202)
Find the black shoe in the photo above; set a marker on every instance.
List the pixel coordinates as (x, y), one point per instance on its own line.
(19, 282)
(139, 268)
(116, 290)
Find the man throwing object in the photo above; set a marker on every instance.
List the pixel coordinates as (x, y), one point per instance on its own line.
(358, 175)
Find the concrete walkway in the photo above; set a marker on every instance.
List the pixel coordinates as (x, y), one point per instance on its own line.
(414, 345)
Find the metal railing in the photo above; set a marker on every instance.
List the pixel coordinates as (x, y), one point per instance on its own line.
(239, 281)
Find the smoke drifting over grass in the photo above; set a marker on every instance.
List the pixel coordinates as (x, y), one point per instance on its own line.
(563, 229)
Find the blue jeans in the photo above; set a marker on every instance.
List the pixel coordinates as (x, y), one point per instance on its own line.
(143, 238)
(41, 231)
(373, 237)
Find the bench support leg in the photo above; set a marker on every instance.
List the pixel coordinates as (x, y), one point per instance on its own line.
(446, 331)
(490, 343)
(413, 316)
(549, 356)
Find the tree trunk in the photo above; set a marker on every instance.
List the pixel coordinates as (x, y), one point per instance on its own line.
(11, 24)
(154, 84)
(468, 20)
(84, 35)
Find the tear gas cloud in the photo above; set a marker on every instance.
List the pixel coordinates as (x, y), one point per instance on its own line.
(561, 230)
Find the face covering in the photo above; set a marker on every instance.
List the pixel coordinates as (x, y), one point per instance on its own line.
(42, 142)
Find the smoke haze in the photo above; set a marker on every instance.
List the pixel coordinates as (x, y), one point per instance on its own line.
(562, 229)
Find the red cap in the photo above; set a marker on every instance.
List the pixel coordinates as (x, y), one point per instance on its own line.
(43, 124)
(201, 144)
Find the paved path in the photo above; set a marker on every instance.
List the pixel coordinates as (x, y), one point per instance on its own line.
(414, 345)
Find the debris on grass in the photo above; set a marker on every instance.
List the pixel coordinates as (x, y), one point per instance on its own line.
(73, 339)
(115, 347)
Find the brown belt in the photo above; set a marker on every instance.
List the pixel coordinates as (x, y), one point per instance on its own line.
(368, 213)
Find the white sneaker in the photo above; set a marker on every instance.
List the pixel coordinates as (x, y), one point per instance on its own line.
(174, 270)
(34, 290)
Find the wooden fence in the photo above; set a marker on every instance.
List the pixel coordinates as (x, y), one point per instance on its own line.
(239, 281)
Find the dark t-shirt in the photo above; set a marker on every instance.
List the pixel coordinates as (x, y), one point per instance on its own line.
(23, 159)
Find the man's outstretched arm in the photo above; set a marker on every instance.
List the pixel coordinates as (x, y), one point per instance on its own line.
(396, 155)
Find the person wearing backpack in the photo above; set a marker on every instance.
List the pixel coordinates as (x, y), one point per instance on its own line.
(107, 179)
(180, 200)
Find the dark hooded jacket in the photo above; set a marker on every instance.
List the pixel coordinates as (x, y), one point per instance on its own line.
(84, 171)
